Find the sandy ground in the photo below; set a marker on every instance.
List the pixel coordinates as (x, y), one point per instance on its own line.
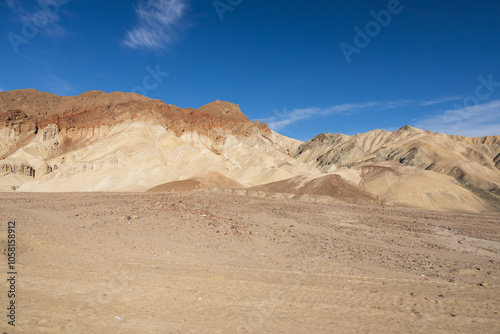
(208, 262)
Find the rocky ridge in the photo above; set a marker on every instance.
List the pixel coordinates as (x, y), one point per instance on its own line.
(95, 137)
(472, 163)
(127, 142)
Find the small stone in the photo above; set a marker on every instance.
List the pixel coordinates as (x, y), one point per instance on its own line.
(483, 284)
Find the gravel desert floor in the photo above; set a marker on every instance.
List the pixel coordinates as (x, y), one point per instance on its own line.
(211, 262)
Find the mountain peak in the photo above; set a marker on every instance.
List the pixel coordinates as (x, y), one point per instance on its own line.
(117, 141)
(409, 128)
(224, 110)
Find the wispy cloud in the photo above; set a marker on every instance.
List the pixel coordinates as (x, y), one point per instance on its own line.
(418, 103)
(159, 23)
(285, 118)
(477, 121)
(440, 101)
(282, 119)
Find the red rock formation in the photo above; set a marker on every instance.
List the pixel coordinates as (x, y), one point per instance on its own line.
(25, 112)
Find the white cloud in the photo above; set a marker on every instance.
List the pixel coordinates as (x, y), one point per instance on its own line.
(159, 22)
(282, 119)
(478, 121)
(417, 103)
(440, 101)
(285, 118)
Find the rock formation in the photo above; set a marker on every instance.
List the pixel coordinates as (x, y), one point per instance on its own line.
(471, 163)
(127, 142)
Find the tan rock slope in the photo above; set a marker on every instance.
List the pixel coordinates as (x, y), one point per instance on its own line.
(126, 142)
(412, 166)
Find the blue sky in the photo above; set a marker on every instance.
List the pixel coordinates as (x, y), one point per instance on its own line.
(304, 67)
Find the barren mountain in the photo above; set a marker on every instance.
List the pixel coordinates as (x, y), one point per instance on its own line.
(423, 162)
(127, 142)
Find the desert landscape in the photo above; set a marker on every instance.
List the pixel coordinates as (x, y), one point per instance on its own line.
(127, 142)
(212, 262)
(137, 216)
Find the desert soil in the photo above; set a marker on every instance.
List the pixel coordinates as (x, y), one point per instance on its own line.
(210, 262)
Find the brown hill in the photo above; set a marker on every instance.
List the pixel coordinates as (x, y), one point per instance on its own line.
(127, 142)
(383, 183)
(25, 112)
(202, 182)
(472, 162)
(329, 185)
